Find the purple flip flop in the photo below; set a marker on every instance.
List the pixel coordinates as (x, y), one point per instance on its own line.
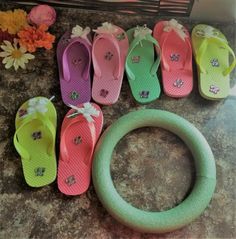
(74, 61)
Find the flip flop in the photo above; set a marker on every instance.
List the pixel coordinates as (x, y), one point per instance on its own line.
(110, 47)
(34, 140)
(176, 61)
(80, 131)
(211, 51)
(141, 68)
(74, 61)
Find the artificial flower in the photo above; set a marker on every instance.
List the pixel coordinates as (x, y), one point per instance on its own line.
(37, 105)
(42, 14)
(35, 37)
(14, 56)
(142, 31)
(175, 26)
(13, 21)
(5, 35)
(88, 111)
(78, 31)
(106, 28)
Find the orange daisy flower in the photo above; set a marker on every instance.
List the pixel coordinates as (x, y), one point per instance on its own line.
(32, 38)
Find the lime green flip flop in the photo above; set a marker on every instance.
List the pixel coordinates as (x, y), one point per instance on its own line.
(211, 51)
(140, 66)
(34, 140)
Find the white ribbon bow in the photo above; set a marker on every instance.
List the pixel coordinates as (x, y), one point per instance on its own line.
(142, 31)
(87, 111)
(208, 32)
(106, 28)
(175, 26)
(78, 31)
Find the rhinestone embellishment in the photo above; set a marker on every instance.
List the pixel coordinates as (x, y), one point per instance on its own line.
(37, 135)
(108, 56)
(104, 93)
(39, 171)
(120, 36)
(76, 61)
(135, 59)
(178, 83)
(174, 57)
(214, 89)
(22, 112)
(144, 94)
(74, 95)
(215, 62)
(77, 140)
(70, 180)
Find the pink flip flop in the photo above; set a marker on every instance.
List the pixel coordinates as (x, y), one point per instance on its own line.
(80, 131)
(176, 62)
(110, 47)
(74, 61)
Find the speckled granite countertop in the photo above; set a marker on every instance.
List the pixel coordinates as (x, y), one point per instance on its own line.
(152, 169)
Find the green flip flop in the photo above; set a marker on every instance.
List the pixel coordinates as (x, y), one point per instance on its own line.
(211, 51)
(34, 140)
(141, 68)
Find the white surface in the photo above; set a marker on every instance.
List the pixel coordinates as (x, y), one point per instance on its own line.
(214, 10)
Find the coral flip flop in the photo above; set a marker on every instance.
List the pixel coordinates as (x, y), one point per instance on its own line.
(211, 51)
(34, 140)
(176, 58)
(141, 68)
(74, 61)
(110, 47)
(80, 131)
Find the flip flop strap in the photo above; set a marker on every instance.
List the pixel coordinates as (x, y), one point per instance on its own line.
(114, 41)
(46, 122)
(65, 66)
(64, 152)
(203, 48)
(133, 45)
(188, 60)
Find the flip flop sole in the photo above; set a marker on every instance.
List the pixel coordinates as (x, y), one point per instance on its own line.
(76, 89)
(145, 87)
(177, 82)
(213, 85)
(106, 89)
(74, 173)
(35, 138)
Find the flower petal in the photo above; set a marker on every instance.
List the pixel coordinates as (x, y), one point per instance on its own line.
(32, 102)
(23, 49)
(29, 56)
(21, 63)
(9, 63)
(4, 54)
(6, 59)
(7, 49)
(8, 45)
(16, 66)
(31, 110)
(42, 101)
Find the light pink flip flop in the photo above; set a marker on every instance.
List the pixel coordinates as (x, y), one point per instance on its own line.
(176, 61)
(110, 47)
(74, 61)
(80, 131)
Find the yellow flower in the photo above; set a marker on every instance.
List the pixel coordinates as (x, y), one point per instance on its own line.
(13, 21)
(14, 56)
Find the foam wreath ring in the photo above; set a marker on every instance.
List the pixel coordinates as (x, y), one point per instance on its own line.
(155, 222)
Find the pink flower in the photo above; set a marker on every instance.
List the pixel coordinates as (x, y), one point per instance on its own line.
(42, 14)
